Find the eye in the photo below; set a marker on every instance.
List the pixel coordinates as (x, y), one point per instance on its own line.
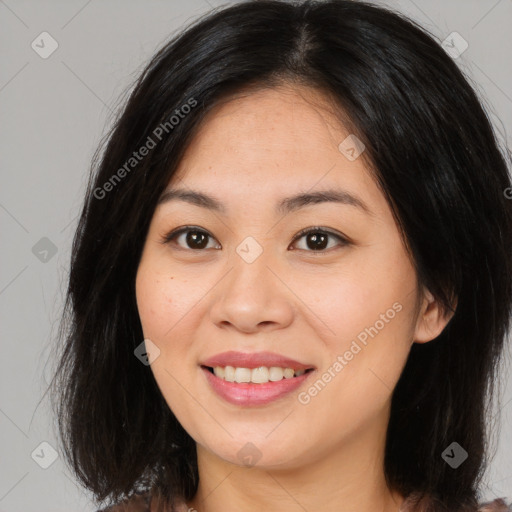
(195, 238)
(317, 239)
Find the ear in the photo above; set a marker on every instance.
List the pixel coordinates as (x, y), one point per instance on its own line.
(432, 319)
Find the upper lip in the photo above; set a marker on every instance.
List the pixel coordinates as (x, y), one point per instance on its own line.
(254, 360)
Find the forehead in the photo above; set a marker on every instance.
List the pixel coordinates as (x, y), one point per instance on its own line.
(270, 143)
(282, 123)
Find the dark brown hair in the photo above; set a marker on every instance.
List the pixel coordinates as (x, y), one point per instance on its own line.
(435, 156)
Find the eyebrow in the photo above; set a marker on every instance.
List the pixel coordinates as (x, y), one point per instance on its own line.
(286, 205)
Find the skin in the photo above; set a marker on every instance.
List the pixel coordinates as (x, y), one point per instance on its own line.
(253, 150)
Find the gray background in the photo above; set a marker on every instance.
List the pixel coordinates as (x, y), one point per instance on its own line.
(53, 113)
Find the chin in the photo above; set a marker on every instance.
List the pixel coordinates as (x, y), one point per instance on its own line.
(262, 454)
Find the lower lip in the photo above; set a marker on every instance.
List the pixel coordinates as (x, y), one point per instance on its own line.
(247, 394)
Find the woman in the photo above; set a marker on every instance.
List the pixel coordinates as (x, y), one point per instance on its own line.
(292, 280)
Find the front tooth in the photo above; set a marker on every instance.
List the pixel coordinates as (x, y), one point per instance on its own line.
(219, 372)
(229, 374)
(288, 373)
(275, 373)
(259, 375)
(242, 375)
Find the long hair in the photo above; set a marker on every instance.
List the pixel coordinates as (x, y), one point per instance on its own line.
(432, 150)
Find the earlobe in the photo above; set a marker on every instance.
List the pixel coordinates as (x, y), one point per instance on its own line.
(432, 319)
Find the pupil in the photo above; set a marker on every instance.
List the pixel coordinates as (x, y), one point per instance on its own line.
(319, 241)
(196, 239)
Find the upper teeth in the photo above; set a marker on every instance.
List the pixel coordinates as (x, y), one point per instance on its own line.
(259, 375)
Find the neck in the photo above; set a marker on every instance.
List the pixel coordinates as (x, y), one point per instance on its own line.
(346, 478)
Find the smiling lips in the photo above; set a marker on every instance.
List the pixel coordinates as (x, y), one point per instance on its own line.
(254, 379)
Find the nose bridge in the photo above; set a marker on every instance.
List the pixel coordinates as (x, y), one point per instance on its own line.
(250, 263)
(250, 295)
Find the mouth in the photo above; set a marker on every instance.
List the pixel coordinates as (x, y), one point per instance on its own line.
(259, 375)
(256, 378)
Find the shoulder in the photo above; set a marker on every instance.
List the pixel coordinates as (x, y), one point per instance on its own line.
(136, 502)
(498, 505)
(428, 503)
(143, 502)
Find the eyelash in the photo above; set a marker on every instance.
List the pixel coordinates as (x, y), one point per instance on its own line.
(170, 237)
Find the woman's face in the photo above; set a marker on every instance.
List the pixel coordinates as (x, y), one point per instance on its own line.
(243, 288)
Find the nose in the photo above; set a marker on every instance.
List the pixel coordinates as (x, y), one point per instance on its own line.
(252, 297)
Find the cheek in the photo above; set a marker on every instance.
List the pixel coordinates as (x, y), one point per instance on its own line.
(157, 292)
(369, 311)
(160, 314)
(153, 303)
(368, 290)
